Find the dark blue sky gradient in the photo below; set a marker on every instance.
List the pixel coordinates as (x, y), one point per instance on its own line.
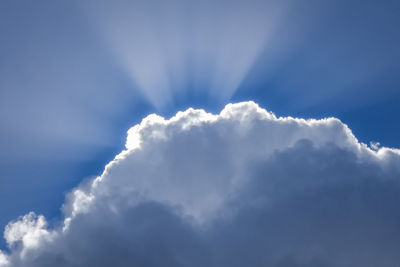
(66, 102)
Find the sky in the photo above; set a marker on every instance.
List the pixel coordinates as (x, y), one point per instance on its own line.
(75, 76)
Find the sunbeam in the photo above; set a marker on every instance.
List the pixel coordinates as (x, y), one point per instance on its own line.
(162, 43)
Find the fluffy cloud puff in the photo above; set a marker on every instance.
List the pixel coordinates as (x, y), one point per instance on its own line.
(242, 188)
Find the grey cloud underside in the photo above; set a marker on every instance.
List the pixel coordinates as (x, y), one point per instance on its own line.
(242, 188)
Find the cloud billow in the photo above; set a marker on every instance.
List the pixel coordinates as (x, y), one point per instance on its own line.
(242, 188)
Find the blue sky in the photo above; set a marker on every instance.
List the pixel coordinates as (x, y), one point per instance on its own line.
(76, 75)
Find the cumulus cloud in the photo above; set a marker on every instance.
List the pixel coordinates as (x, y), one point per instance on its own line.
(242, 188)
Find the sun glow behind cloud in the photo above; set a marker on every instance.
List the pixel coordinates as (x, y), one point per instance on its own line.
(171, 47)
(75, 74)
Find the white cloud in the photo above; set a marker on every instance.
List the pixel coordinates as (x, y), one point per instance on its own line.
(29, 230)
(242, 188)
(3, 259)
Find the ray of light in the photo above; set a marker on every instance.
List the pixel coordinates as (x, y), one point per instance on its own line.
(170, 47)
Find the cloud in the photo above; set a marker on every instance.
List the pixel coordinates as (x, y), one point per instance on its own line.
(242, 188)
